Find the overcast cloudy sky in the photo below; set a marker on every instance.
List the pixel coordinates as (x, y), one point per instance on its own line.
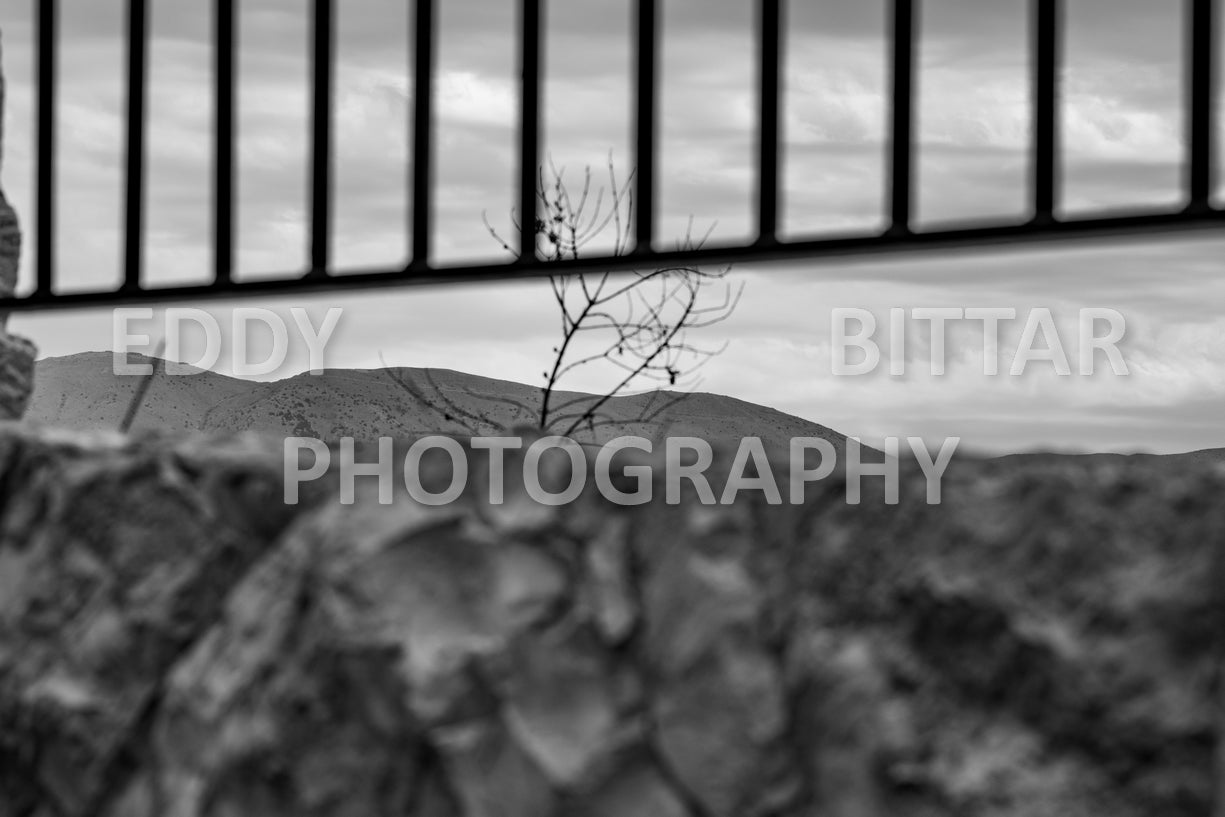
(1122, 143)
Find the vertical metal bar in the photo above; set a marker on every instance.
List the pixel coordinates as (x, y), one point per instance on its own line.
(423, 73)
(1045, 64)
(901, 147)
(48, 40)
(767, 140)
(645, 127)
(1200, 99)
(529, 125)
(225, 54)
(321, 145)
(138, 45)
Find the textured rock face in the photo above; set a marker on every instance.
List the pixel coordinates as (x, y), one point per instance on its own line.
(175, 641)
(16, 354)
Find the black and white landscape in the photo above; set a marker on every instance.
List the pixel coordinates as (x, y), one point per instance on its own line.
(249, 591)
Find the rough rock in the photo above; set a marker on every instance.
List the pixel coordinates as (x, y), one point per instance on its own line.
(16, 354)
(175, 641)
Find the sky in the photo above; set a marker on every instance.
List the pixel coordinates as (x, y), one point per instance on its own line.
(1121, 143)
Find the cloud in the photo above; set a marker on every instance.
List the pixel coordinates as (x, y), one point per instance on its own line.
(1122, 134)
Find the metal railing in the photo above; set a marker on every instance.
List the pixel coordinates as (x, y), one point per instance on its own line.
(899, 236)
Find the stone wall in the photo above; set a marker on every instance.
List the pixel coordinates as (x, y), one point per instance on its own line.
(174, 640)
(16, 354)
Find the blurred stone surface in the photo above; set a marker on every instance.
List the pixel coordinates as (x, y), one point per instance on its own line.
(174, 640)
(16, 354)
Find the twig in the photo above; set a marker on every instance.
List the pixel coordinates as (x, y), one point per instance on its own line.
(142, 388)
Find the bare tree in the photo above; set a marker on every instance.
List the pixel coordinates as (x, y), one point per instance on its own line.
(634, 325)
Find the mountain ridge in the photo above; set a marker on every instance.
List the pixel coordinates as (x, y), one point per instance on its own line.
(82, 392)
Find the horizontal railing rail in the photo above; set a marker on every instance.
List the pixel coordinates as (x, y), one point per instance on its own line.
(900, 236)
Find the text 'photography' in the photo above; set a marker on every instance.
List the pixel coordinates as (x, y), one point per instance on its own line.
(624, 408)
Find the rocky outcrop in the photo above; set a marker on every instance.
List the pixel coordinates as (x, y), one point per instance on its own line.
(16, 354)
(174, 640)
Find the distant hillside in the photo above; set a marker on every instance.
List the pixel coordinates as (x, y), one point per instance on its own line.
(1188, 459)
(81, 392)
